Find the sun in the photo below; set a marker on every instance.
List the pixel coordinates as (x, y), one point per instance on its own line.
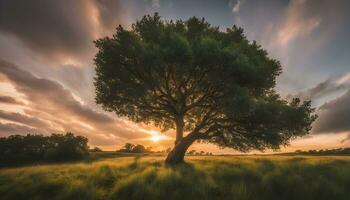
(155, 138)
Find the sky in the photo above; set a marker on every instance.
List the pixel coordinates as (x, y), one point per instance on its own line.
(47, 69)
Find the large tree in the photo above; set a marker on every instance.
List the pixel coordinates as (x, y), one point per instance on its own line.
(207, 84)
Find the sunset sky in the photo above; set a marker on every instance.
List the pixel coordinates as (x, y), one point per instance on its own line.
(47, 70)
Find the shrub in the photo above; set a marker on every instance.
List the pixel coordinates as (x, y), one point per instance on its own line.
(17, 149)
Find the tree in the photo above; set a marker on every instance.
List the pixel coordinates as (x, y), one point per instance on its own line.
(95, 149)
(138, 148)
(17, 149)
(210, 84)
(192, 152)
(128, 147)
(66, 147)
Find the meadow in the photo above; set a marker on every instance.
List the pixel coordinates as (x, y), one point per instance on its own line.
(202, 177)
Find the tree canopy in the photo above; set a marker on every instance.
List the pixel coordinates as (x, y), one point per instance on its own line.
(195, 78)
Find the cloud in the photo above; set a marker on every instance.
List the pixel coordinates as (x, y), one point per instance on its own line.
(332, 97)
(280, 25)
(48, 93)
(237, 6)
(59, 30)
(9, 100)
(326, 88)
(156, 4)
(296, 23)
(23, 119)
(334, 116)
(49, 101)
(7, 129)
(347, 138)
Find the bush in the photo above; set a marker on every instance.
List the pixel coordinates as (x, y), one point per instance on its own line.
(17, 149)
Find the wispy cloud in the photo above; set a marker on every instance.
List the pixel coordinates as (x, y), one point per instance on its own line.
(7, 129)
(296, 23)
(23, 119)
(156, 4)
(51, 107)
(326, 88)
(332, 98)
(236, 7)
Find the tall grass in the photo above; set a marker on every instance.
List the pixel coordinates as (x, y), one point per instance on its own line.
(213, 177)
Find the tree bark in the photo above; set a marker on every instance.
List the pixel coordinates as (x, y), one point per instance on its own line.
(179, 129)
(177, 154)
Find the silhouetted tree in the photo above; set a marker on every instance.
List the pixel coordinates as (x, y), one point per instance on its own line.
(21, 149)
(139, 149)
(131, 148)
(65, 147)
(192, 152)
(96, 149)
(187, 75)
(128, 147)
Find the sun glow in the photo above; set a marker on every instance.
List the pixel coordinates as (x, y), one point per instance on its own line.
(155, 138)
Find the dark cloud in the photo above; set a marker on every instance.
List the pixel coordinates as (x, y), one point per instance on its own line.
(326, 88)
(61, 29)
(23, 119)
(50, 101)
(9, 100)
(7, 129)
(319, 90)
(47, 26)
(334, 116)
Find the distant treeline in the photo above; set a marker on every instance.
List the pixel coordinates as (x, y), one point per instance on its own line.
(17, 149)
(138, 148)
(199, 153)
(339, 151)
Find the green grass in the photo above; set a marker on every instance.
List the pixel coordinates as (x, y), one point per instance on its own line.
(213, 177)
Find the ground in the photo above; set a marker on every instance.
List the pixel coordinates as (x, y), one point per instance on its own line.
(203, 177)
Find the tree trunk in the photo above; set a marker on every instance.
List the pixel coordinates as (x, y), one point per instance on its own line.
(177, 154)
(179, 129)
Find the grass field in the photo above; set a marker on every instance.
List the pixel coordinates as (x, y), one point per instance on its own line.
(212, 177)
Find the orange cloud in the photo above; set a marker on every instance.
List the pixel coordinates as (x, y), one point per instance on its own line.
(51, 107)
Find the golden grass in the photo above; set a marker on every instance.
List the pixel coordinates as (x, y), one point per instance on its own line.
(203, 177)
